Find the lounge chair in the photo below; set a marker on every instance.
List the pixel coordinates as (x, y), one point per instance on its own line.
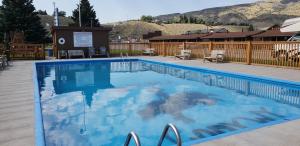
(101, 52)
(104, 52)
(75, 53)
(149, 51)
(214, 56)
(3, 61)
(63, 54)
(184, 54)
(92, 52)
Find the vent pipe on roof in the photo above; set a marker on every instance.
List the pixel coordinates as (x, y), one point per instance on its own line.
(56, 19)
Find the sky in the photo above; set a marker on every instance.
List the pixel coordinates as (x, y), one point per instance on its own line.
(120, 10)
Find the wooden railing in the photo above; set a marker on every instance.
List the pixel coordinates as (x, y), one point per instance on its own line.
(132, 49)
(276, 53)
(27, 51)
(2, 48)
(267, 53)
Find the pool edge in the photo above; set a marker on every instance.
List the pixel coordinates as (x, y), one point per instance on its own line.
(248, 129)
(39, 127)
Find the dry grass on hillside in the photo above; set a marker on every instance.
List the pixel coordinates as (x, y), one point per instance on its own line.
(135, 29)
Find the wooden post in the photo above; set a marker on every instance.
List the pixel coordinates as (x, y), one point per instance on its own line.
(43, 51)
(210, 47)
(164, 48)
(184, 45)
(130, 49)
(249, 53)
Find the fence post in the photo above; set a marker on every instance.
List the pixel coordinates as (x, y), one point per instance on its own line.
(249, 53)
(44, 55)
(210, 46)
(130, 49)
(164, 49)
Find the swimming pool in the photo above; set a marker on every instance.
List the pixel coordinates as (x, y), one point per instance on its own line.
(99, 102)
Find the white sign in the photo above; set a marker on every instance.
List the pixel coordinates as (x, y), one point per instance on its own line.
(83, 39)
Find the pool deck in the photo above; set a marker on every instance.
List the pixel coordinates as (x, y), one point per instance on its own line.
(17, 106)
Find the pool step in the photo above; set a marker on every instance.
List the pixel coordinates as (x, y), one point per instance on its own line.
(165, 131)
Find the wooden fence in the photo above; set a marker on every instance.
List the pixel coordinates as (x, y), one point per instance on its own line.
(266, 53)
(27, 51)
(2, 48)
(132, 49)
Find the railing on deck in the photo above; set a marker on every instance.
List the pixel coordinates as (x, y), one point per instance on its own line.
(267, 53)
(27, 51)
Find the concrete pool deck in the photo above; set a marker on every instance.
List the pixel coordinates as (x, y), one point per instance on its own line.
(17, 106)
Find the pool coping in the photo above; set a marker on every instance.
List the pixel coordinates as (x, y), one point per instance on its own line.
(39, 126)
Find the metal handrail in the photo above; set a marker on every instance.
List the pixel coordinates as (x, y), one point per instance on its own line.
(175, 130)
(135, 138)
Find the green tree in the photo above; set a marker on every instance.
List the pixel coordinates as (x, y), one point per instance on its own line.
(41, 12)
(147, 18)
(251, 27)
(20, 16)
(88, 15)
(1, 26)
(61, 14)
(183, 19)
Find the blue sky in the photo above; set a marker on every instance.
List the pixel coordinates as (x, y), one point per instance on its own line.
(118, 10)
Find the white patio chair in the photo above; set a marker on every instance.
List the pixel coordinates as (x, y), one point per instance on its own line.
(149, 51)
(184, 54)
(214, 56)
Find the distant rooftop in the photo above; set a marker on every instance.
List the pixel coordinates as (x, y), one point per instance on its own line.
(179, 37)
(232, 35)
(275, 32)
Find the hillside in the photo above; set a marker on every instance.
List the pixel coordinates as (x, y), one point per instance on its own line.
(135, 29)
(260, 14)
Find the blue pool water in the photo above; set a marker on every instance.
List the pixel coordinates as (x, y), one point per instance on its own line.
(100, 102)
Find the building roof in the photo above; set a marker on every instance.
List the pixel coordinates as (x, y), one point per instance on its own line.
(205, 31)
(101, 28)
(178, 37)
(274, 33)
(231, 35)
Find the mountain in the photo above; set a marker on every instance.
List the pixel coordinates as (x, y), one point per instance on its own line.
(260, 14)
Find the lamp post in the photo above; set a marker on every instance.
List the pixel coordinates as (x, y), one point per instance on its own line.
(79, 10)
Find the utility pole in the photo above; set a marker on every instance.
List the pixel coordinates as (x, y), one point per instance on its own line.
(79, 10)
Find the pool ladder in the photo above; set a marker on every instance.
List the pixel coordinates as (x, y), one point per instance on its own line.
(166, 129)
(123, 56)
